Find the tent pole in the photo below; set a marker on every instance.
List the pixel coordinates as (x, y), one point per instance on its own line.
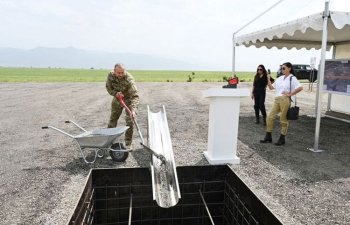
(257, 17)
(317, 91)
(334, 51)
(233, 37)
(329, 102)
(320, 81)
(233, 55)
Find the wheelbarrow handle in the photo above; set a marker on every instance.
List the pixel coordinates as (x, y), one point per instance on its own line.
(59, 130)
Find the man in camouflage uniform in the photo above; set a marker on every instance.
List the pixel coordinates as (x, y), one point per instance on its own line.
(121, 82)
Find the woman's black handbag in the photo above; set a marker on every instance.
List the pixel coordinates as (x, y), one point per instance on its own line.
(293, 112)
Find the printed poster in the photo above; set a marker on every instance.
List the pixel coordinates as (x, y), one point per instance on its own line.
(337, 77)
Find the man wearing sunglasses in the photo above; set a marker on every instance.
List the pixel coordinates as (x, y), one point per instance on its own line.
(119, 81)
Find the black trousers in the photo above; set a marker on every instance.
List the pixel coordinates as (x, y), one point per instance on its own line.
(259, 102)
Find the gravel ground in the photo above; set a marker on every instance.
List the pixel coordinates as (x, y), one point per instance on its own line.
(42, 174)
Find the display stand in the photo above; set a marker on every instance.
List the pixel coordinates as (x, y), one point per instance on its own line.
(223, 124)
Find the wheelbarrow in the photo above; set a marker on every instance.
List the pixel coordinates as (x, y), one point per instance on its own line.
(101, 140)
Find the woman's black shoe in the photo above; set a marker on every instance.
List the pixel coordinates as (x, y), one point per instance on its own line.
(267, 138)
(281, 140)
(257, 121)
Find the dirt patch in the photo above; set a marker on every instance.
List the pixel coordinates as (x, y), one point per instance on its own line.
(42, 176)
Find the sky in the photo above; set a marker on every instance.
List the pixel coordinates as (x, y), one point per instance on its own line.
(195, 31)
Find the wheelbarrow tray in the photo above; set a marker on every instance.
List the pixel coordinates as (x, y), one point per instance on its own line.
(100, 138)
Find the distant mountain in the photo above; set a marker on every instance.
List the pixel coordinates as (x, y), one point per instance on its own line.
(71, 57)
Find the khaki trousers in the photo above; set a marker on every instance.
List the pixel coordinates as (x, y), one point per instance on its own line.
(280, 105)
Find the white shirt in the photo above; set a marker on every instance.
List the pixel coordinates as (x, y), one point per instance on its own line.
(282, 84)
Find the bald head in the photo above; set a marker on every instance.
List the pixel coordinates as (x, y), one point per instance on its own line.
(119, 65)
(119, 70)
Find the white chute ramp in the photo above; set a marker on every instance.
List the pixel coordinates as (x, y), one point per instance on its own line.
(165, 184)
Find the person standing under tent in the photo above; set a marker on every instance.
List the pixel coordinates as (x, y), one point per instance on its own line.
(286, 86)
(259, 93)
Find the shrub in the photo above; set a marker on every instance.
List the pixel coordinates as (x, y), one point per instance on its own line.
(190, 77)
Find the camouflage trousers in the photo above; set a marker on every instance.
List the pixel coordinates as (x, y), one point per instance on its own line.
(116, 111)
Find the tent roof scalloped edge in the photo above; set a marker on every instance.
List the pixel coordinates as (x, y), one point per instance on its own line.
(305, 32)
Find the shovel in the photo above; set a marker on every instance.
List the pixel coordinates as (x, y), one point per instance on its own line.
(120, 98)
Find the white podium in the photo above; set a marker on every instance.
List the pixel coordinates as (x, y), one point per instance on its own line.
(223, 124)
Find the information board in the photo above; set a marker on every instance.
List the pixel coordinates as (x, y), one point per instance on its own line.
(337, 76)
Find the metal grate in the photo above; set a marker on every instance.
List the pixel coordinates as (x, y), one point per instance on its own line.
(210, 195)
(112, 204)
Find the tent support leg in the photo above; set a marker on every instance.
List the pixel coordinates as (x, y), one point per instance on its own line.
(233, 55)
(320, 81)
(329, 102)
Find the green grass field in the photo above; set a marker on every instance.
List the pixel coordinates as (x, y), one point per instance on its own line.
(11, 74)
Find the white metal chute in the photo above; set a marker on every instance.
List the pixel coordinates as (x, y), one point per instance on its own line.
(165, 184)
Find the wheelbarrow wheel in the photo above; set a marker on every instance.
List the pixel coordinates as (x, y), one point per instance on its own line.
(116, 155)
(101, 153)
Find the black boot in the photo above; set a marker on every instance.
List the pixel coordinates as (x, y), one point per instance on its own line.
(264, 121)
(257, 120)
(281, 140)
(267, 138)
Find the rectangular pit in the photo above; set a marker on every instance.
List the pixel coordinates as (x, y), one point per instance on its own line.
(210, 195)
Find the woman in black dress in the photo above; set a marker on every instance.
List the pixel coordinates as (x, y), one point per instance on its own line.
(259, 93)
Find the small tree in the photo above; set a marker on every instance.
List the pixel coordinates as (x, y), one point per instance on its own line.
(191, 77)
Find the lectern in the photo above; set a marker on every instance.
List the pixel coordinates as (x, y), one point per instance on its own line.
(223, 124)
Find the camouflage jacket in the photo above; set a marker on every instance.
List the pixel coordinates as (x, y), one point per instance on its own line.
(126, 85)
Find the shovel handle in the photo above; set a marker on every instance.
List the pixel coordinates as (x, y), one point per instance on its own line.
(120, 98)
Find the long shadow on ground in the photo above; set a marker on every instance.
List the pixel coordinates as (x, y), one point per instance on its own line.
(333, 163)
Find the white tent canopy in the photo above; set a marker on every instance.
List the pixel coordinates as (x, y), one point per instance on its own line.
(301, 33)
(319, 31)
